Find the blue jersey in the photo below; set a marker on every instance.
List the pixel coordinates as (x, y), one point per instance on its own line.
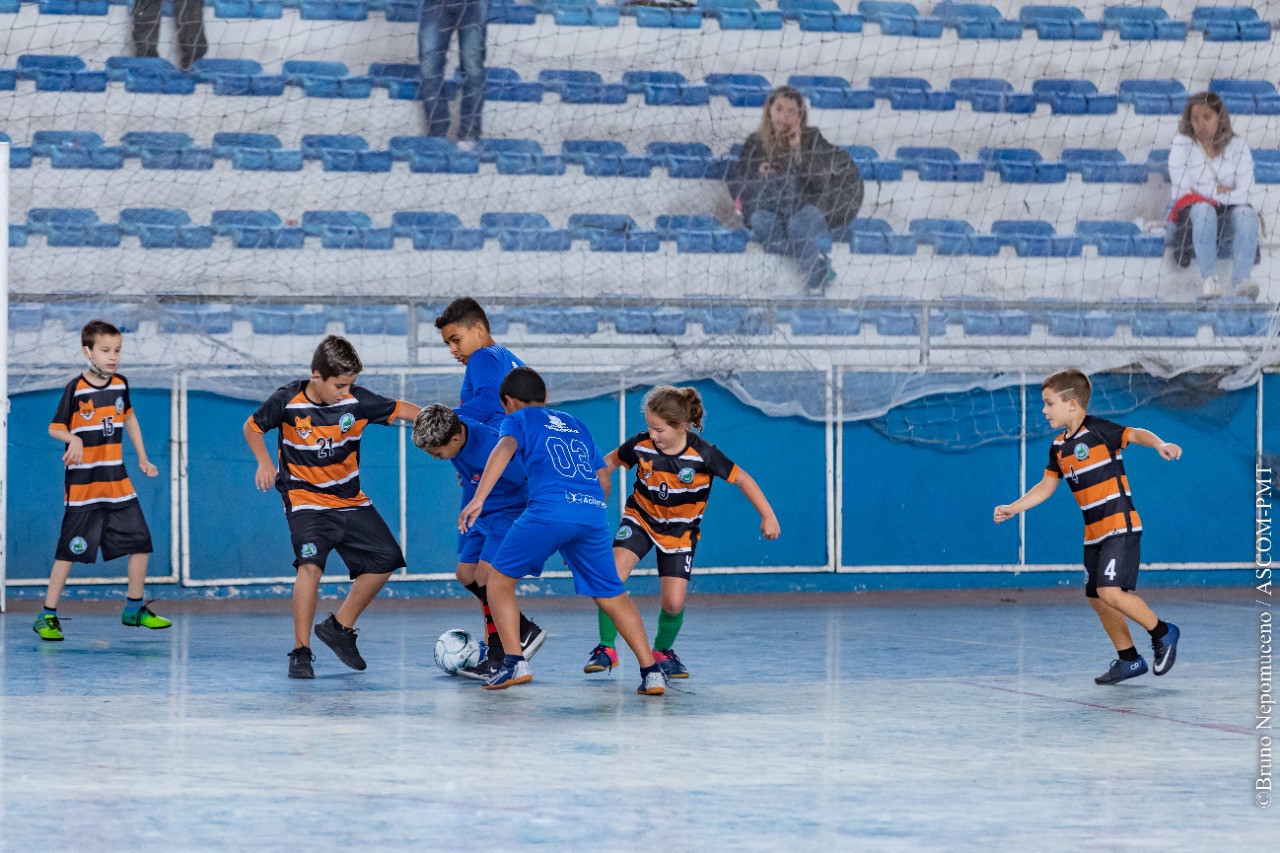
(561, 460)
(486, 368)
(511, 492)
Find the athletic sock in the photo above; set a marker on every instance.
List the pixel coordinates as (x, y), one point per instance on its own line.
(511, 660)
(49, 611)
(132, 605)
(478, 591)
(668, 627)
(526, 625)
(1130, 654)
(645, 670)
(608, 631)
(494, 640)
(1159, 630)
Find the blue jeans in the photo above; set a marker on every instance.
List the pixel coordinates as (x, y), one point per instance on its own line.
(1238, 240)
(802, 236)
(440, 20)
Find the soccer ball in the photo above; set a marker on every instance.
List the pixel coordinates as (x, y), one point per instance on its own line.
(456, 649)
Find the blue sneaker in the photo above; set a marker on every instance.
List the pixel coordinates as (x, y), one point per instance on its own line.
(509, 676)
(603, 658)
(1123, 669)
(670, 664)
(1164, 651)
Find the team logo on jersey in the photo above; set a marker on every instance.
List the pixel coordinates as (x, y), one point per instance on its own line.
(78, 545)
(346, 422)
(624, 532)
(308, 549)
(555, 421)
(1082, 451)
(686, 475)
(86, 409)
(120, 405)
(302, 426)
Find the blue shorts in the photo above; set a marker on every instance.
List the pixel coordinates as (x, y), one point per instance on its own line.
(484, 538)
(586, 549)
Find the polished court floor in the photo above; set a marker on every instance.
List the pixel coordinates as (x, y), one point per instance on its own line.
(883, 722)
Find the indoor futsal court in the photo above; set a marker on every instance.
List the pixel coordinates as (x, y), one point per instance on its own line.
(880, 722)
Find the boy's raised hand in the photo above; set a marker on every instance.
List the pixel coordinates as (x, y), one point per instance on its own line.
(1169, 451)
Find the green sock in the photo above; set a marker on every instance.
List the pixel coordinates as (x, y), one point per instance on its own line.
(608, 631)
(668, 626)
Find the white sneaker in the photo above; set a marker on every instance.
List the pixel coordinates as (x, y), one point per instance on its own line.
(1210, 289)
(1247, 290)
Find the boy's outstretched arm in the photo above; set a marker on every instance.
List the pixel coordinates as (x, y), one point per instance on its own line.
(265, 476)
(768, 521)
(134, 429)
(1147, 438)
(407, 411)
(499, 457)
(1035, 496)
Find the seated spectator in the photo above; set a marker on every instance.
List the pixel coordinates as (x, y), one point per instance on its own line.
(792, 186)
(440, 20)
(1212, 173)
(188, 16)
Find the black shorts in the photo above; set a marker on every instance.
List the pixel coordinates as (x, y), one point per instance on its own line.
(1112, 562)
(632, 537)
(360, 536)
(118, 530)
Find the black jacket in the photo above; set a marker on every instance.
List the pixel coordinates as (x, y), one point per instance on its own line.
(824, 173)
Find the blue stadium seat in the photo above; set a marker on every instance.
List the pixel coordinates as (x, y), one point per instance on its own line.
(1060, 23)
(1158, 162)
(509, 13)
(821, 16)
(832, 93)
(184, 319)
(1266, 165)
(149, 76)
(741, 15)
(820, 321)
(742, 90)
(60, 74)
(1035, 239)
(10, 7)
(374, 319)
(504, 84)
(954, 237)
(652, 320)
(895, 322)
(984, 317)
(1153, 97)
(73, 7)
(581, 13)
(912, 93)
(1247, 97)
(519, 157)
(489, 150)
(1117, 239)
(665, 17)
(987, 95)
(1161, 321)
(261, 9)
(401, 80)
(939, 164)
(346, 229)
(1099, 165)
(701, 234)
(871, 167)
(20, 156)
(900, 19)
(26, 316)
(326, 79)
(344, 153)
(1022, 166)
(238, 77)
(1074, 97)
(433, 154)
(876, 237)
(1230, 23)
(736, 320)
(17, 235)
(1143, 23)
(76, 149)
(612, 232)
(8, 79)
(689, 160)
(525, 232)
(582, 87)
(605, 159)
(977, 21)
(164, 228)
(166, 150)
(259, 152)
(287, 319)
(1066, 318)
(665, 88)
(256, 229)
(333, 10)
(1237, 317)
(437, 231)
(561, 320)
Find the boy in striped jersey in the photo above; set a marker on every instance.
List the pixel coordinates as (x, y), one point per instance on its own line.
(102, 510)
(1088, 455)
(320, 422)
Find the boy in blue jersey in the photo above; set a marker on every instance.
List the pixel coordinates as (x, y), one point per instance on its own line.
(443, 434)
(464, 327)
(568, 485)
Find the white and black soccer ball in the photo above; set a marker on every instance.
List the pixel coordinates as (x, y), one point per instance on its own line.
(456, 649)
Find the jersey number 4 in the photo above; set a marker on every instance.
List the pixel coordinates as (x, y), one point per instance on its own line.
(570, 458)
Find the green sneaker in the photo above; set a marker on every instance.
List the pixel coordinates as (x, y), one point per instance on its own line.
(48, 627)
(144, 618)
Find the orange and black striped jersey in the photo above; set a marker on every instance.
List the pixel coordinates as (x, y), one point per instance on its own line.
(319, 445)
(96, 415)
(671, 492)
(1091, 461)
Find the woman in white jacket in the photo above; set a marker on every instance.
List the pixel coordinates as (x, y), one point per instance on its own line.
(1212, 173)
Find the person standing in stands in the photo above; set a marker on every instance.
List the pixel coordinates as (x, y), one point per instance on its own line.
(188, 16)
(793, 187)
(440, 20)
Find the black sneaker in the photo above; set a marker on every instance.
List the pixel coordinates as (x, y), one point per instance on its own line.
(300, 663)
(342, 640)
(531, 640)
(482, 671)
(1122, 670)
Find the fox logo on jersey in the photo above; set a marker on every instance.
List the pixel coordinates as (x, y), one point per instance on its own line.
(86, 409)
(302, 426)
